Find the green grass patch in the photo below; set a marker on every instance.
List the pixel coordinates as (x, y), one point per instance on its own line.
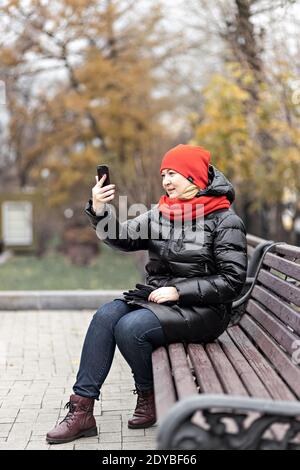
(110, 270)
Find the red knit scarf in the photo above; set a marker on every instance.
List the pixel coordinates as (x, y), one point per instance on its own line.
(189, 212)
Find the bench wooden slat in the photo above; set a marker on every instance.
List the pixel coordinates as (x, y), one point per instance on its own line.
(288, 250)
(274, 327)
(247, 375)
(275, 386)
(224, 370)
(249, 378)
(290, 268)
(165, 395)
(184, 382)
(282, 310)
(276, 356)
(285, 289)
(204, 371)
(253, 240)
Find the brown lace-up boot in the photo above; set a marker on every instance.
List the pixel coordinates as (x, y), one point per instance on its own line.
(144, 415)
(79, 421)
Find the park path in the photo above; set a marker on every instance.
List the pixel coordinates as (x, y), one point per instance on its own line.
(39, 358)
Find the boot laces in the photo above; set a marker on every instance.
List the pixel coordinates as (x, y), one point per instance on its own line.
(70, 415)
(142, 399)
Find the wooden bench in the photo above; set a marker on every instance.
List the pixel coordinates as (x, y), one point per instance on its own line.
(241, 391)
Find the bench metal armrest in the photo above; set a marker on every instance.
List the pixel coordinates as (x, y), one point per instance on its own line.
(247, 290)
(256, 257)
(250, 281)
(177, 430)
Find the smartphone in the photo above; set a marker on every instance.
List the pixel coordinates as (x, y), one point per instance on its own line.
(101, 170)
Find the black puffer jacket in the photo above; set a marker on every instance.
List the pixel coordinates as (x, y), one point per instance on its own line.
(209, 272)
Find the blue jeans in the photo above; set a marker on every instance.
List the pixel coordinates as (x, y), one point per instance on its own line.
(135, 330)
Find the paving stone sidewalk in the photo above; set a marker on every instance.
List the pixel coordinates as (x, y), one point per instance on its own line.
(39, 358)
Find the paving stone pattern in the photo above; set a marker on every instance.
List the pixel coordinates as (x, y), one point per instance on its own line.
(39, 358)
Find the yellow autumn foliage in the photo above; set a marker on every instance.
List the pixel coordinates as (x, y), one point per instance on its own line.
(233, 126)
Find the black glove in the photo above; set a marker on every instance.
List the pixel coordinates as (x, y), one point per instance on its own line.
(142, 291)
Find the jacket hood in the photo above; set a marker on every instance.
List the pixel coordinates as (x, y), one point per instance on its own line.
(218, 185)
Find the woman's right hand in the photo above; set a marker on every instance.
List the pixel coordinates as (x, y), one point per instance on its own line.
(102, 194)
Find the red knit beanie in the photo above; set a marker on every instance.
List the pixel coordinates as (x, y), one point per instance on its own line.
(190, 161)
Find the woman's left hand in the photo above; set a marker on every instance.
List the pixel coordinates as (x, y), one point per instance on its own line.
(163, 294)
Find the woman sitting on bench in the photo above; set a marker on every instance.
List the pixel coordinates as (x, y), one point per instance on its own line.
(192, 278)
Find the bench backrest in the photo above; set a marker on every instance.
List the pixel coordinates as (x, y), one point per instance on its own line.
(272, 319)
